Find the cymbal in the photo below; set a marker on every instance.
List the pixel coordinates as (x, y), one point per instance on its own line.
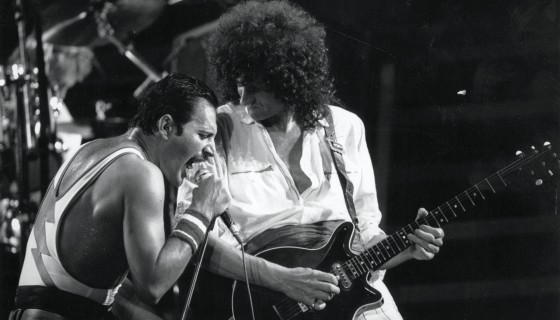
(72, 22)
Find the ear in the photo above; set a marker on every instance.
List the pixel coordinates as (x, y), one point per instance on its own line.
(166, 126)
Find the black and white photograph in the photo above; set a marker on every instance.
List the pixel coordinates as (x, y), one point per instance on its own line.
(279, 160)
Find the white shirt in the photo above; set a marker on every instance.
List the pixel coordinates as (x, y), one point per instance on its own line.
(263, 192)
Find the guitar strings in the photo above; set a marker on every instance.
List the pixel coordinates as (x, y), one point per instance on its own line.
(292, 311)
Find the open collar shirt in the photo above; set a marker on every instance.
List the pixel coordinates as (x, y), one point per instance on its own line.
(264, 195)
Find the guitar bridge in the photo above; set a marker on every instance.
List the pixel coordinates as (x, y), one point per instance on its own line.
(343, 278)
(303, 308)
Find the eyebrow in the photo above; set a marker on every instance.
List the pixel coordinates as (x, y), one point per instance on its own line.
(207, 132)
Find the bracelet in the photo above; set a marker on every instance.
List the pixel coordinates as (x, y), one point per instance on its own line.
(191, 228)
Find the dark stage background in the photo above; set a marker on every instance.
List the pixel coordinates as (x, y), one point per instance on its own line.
(448, 91)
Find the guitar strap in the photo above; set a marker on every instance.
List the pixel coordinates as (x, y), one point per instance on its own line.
(337, 151)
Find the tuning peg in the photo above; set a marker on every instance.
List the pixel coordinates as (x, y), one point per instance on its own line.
(534, 150)
(547, 145)
(519, 154)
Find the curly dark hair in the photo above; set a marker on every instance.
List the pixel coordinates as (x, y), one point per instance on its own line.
(175, 95)
(282, 47)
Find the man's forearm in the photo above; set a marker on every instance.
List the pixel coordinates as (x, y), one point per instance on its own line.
(227, 261)
(156, 280)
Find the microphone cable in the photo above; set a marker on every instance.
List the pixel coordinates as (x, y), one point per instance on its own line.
(198, 264)
(226, 218)
(247, 283)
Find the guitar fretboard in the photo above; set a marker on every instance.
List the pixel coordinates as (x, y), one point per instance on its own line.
(373, 258)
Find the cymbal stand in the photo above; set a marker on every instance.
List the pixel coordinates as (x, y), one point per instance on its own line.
(25, 140)
(4, 95)
(47, 133)
(22, 78)
(106, 31)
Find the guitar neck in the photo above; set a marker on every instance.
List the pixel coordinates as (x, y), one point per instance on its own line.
(373, 258)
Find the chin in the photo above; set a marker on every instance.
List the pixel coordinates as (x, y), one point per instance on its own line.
(177, 182)
(257, 116)
(174, 180)
(253, 112)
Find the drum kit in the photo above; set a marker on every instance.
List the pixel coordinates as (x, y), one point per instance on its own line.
(52, 56)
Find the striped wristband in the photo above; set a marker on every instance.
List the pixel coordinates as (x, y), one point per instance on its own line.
(191, 228)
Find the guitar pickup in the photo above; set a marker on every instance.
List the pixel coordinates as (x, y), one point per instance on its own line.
(343, 279)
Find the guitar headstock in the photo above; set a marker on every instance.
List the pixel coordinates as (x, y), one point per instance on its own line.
(542, 165)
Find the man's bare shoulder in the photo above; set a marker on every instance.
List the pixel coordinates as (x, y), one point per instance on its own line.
(130, 179)
(141, 184)
(136, 173)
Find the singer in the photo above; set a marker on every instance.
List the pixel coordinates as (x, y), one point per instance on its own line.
(271, 61)
(102, 216)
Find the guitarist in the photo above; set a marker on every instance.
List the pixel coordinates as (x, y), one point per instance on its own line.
(272, 64)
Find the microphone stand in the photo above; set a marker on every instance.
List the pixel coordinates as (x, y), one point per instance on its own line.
(197, 263)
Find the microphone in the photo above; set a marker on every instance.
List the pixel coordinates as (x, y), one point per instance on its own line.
(226, 218)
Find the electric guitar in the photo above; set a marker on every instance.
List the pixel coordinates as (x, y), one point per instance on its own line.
(336, 257)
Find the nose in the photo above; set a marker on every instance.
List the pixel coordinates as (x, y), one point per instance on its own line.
(208, 151)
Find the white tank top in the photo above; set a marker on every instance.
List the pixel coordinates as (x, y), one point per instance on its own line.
(42, 266)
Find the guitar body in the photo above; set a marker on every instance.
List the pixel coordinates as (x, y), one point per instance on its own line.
(268, 304)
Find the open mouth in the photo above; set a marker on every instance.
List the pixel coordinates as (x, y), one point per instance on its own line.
(195, 168)
(189, 164)
(193, 162)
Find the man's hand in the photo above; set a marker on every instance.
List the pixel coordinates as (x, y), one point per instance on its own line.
(311, 287)
(212, 196)
(427, 240)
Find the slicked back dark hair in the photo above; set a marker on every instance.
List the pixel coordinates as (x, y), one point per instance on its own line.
(282, 47)
(176, 95)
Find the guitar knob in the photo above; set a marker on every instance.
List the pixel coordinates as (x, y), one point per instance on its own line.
(538, 182)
